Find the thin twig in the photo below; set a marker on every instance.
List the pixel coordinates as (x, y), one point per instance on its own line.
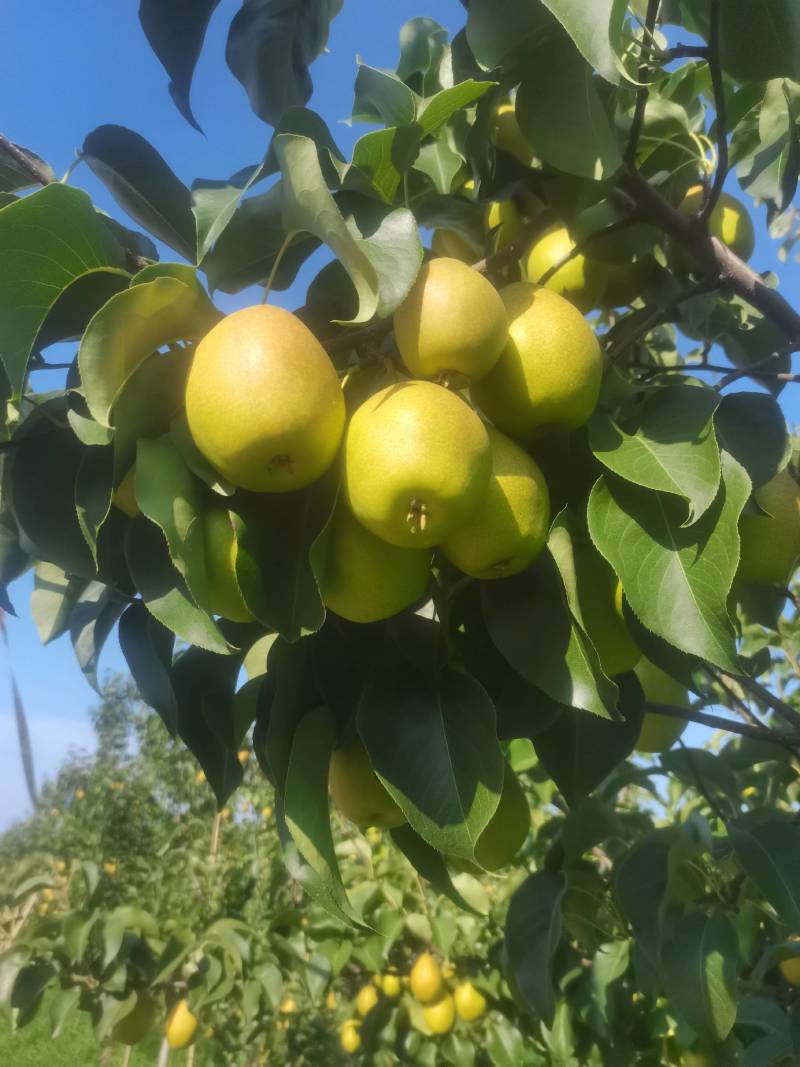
(29, 165)
(712, 194)
(717, 722)
(760, 693)
(712, 368)
(644, 86)
(659, 315)
(582, 246)
(683, 51)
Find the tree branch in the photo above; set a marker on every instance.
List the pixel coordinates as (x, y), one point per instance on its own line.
(712, 368)
(660, 314)
(717, 722)
(684, 51)
(712, 195)
(23, 159)
(644, 86)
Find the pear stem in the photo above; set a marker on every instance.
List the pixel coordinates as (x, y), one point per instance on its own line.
(276, 263)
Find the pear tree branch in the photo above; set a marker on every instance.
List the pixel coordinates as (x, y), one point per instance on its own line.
(717, 722)
(30, 166)
(713, 194)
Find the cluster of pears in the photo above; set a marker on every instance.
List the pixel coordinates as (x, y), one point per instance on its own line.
(425, 464)
(442, 1000)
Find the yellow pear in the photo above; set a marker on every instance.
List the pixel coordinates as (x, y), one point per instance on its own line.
(503, 221)
(357, 791)
(365, 579)
(660, 732)
(263, 401)
(416, 463)
(452, 245)
(510, 527)
(181, 1025)
(506, 134)
(224, 597)
(425, 978)
(125, 494)
(790, 967)
(548, 375)
(366, 999)
(470, 1004)
(730, 221)
(600, 602)
(349, 1037)
(770, 543)
(391, 985)
(439, 1017)
(508, 827)
(580, 279)
(452, 321)
(138, 1023)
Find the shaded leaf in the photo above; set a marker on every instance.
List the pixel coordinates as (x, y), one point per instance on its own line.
(751, 426)
(14, 176)
(381, 97)
(700, 964)
(768, 848)
(147, 647)
(429, 863)
(532, 934)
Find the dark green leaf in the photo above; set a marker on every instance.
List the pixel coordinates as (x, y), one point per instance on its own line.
(49, 239)
(700, 964)
(176, 30)
(295, 694)
(676, 579)
(271, 44)
(14, 176)
(492, 39)
(382, 97)
(589, 824)
(596, 29)
(429, 863)
(768, 848)
(147, 647)
(533, 931)
(91, 621)
(640, 881)
(432, 740)
(674, 449)
(68, 317)
(54, 596)
(93, 488)
(423, 43)
(752, 428)
(143, 185)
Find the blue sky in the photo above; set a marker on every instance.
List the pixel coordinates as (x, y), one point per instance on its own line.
(79, 65)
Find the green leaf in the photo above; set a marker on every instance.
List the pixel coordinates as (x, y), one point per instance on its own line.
(295, 693)
(423, 45)
(204, 685)
(92, 620)
(382, 97)
(700, 962)
(751, 426)
(689, 764)
(170, 495)
(492, 39)
(532, 935)
(596, 29)
(768, 848)
(271, 44)
(674, 449)
(54, 596)
(676, 579)
(433, 743)
(382, 267)
(429, 863)
(147, 647)
(143, 185)
(640, 883)
(68, 317)
(176, 30)
(385, 156)
(609, 965)
(162, 589)
(529, 621)
(131, 326)
(62, 1004)
(580, 750)
(273, 560)
(441, 164)
(305, 800)
(13, 176)
(589, 824)
(435, 111)
(93, 488)
(560, 112)
(771, 172)
(760, 39)
(49, 239)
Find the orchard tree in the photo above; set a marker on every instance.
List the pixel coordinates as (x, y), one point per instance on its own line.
(496, 491)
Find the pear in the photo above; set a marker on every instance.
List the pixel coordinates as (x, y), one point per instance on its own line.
(417, 464)
(224, 596)
(503, 221)
(439, 1017)
(470, 1003)
(263, 401)
(580, 279)
(730, 222)
(600, 601)
(507, 134)
(509, 529)
(357, 791)
(125, 494)
(452, 321)
(770, 544)
(365, 579)
(548, 375)
(425, 978)
(660, 732)
(181, 1025)
(508, 827)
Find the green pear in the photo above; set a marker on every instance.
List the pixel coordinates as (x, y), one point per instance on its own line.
(660, 732)
(452, 321)
(770, 544)
(548, 375)
(417, 464)
(452, 245)
(357, 791)
(224, 596)
(509, 528)
(365, 579)
(600, 601)
(507, 829)
(730, 221)
(580, 279)
(507, 134)
(503, 221)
